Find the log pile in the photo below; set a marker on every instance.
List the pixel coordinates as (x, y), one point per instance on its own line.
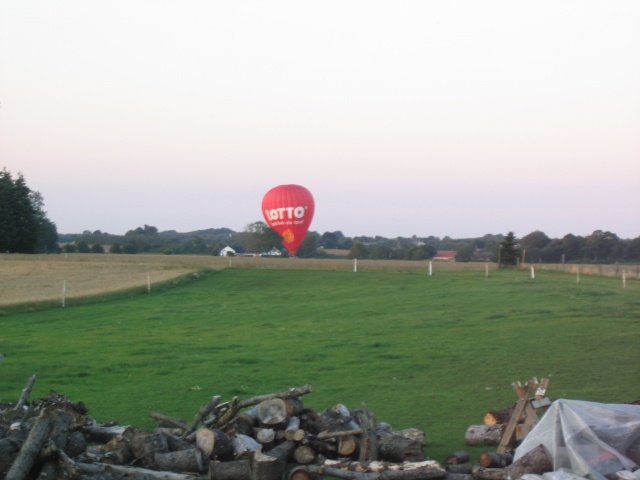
(267, 437)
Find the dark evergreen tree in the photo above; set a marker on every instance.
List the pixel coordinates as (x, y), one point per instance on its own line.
(508, 251)
(24, 226)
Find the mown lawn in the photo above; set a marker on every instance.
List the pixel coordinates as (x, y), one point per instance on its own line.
(431, 352)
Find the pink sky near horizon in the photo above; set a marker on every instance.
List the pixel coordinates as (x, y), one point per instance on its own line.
(402, 118)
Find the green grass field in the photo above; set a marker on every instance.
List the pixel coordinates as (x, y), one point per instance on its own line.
(431, 352)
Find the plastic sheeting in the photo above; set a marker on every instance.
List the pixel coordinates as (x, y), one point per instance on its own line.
(593, 440)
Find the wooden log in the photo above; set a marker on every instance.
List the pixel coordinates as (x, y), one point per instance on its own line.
(461, 468)
(11, 444)
(169, 432)
(458, 476)
(394, 447)
(320, 446)
(244, 445)
(413, 434)
(245, 422)
(248, 402)
(181, 461)
(335, 420)
(407, 471)
(8, 452)
(272, 412)
(345, 433)
(166, 420)
(25, 393)
(298, 472)
(347, 446)
(68, 467)
(304, 455)
(96, 468)
(176, 442)
(28, 455)
(495, 459)
(536, 461)
(457, 458)
(49, 470)
(483, 435)
(102, 434)
(265, 467)
(205, 441)
(59, 435)
(76, 444)
(145, 446)
(116, 451)
(369, 438)
(222, 447)
(283, 451)
(293, 430)
(265, 437)
(294, 406)
(234, 470)
(495, 417)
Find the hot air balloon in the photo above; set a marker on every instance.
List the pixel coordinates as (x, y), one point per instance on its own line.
(288, 209)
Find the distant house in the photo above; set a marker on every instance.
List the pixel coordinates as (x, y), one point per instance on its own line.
(232, 251)
(274, 252)
(445, 255)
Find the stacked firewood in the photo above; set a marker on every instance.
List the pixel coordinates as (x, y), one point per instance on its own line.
(267, 437)
(498, 466)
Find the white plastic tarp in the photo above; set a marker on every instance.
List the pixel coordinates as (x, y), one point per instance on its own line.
(593, 440)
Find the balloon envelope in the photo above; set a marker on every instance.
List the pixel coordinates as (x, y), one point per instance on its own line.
(288, 209)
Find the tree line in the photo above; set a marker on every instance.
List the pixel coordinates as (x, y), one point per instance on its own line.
(25, 228)
(258, 237)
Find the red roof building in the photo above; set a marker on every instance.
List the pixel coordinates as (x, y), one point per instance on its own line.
(446, 255)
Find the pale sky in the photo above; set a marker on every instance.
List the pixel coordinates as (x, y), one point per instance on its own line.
(402, 118)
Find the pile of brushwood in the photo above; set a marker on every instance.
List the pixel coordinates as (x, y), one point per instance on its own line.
(266, 437)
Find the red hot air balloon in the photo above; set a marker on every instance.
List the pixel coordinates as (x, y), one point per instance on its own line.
(288, 209)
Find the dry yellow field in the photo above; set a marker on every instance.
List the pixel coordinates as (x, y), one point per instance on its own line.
(28, 279)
